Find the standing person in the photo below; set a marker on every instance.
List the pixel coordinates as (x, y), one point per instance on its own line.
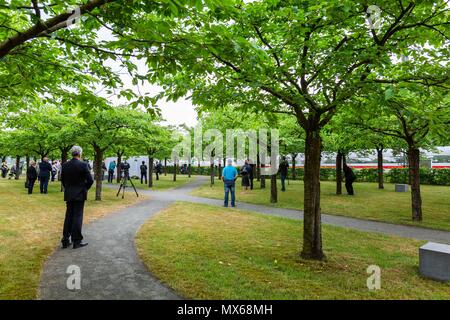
(45, 168)
(103, 170)
(5, 169)
(111, 169)
(252, 174)
(283, 171)
(77, 180)
(143, 172)
(58, 169)
(349, 179)
(245, 172)
(88, 164)
(158, 170)
(12, 172)
(229, 176)
(31, 176)
(54, 170)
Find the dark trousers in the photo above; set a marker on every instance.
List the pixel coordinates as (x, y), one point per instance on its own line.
(44, 184)
(143, 177)
(251, 183)
(31, 185)
(53, 175)
(230, 187)
(110, 176)
(73, 222)
(283, 182)
(349, 187)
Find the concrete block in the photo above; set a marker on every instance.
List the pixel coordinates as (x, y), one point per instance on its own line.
(434, 261)
(401, 187)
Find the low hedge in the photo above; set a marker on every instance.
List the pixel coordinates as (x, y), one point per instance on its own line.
(427, 176)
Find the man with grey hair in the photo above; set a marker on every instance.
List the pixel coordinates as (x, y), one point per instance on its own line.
(76, 180)
(229, 176)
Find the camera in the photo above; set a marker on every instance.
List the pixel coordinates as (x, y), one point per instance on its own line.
(125, 168)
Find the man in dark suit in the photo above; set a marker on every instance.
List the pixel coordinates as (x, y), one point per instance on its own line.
(31, 176)
(45, 169)
(77, 180)
(143, 172)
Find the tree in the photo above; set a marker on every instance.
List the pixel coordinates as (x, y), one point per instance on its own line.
(154, 140)
(413, 115)
(100, 131)
(304, 60)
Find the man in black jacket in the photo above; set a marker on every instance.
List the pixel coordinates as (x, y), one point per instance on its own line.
(143, 172)
(31, 176)
(45, 169)
(77, 180)
(350, 177)
(283, 170)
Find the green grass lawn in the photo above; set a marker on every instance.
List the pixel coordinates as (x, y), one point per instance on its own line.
(30, 229)
(205, 252)
(369, 202)
(164, 182)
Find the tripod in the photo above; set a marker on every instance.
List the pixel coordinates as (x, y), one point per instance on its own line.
(124, 184)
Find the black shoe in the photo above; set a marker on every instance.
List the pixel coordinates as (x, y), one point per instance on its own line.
(66, 245)
(80, 245)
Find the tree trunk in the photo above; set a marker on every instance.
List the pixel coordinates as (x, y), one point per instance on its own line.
(414, 170)
(219, 170)
(212, 175)
(165, 166)
(119, 162)
(174, 170)
(27, 165)
(150, 172)
(339, 172)
(98, 159)
(258, 168)
(263, 181)
(273, 189)
(380, 168)
(312, 226)
(294, 172)
(18, 171)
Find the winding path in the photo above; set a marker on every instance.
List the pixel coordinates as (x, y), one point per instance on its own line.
(111, 269)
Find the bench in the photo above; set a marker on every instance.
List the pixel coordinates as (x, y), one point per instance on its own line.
(401, 188)
(434, 261)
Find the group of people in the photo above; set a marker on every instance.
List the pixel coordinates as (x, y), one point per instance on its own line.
(143, 168)
(230, 175)
(12, 172)
(45, 171)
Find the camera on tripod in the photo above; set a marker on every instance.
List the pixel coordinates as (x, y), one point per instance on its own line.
(125, 169)
(125, 172)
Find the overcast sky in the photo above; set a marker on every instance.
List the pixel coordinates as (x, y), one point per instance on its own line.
(175, 113)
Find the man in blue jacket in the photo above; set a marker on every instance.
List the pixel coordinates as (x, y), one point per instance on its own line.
(229, 176)
(45, 169)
